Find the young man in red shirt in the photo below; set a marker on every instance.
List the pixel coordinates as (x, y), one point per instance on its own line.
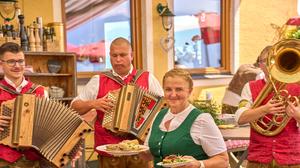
(12, 61)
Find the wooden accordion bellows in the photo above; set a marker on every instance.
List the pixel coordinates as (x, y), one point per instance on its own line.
(52, 128)
(134, 111)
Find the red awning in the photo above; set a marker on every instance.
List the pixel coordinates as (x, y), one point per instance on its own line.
(209, 24)
(93, 51)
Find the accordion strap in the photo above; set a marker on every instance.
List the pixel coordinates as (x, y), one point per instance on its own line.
(33, 88)
(139, 72)
(11, 91)
(115, 78)
(119, 80)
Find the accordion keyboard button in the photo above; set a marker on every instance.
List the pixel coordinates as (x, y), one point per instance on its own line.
(6, 112)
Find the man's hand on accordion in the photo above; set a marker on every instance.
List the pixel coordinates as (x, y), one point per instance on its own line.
(104, 104)
(4, 122)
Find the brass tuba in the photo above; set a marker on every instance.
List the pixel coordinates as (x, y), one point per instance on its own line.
(283, 65)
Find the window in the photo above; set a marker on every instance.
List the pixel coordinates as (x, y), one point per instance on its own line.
(92, 25)
(201, 35)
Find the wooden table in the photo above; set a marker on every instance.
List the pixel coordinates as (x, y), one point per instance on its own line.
(237, 133)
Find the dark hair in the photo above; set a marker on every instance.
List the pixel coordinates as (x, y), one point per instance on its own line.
(10, 47)
(263, 54)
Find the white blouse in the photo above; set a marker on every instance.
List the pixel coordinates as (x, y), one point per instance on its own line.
(246, 95)
(204, 131)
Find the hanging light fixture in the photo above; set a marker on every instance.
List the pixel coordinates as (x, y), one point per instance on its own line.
(166, 16)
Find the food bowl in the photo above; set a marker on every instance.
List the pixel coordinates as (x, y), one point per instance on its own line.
(56, 92)
(54, 66)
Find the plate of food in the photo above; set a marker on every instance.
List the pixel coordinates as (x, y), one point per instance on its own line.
(175, 161)
(226, 126)
(124, 148)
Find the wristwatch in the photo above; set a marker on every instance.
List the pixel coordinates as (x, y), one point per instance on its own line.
(201, 164)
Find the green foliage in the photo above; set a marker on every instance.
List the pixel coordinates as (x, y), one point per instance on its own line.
(209, 107)
(294, 34)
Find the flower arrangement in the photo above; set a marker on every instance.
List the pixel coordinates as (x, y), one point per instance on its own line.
(293, 34)
(291, 29)
(209, 106)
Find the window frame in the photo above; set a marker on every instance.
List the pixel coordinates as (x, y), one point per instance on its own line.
(225, 44)
(136, 36)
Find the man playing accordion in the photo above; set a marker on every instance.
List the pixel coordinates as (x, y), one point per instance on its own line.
(94, 96)
(12, 60)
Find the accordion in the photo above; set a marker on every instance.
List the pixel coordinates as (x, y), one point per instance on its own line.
(134, 111)
(52, 128)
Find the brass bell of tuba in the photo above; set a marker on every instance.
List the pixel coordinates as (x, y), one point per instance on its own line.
(283, 65)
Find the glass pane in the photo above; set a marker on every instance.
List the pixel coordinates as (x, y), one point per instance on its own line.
(91, 39)
(197, 33)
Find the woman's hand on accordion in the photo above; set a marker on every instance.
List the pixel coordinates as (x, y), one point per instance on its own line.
(104, 104)
(4, 122)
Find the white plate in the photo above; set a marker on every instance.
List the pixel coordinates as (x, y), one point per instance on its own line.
(173, 164)
(102, 148)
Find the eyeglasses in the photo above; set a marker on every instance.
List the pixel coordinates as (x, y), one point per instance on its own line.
(12, 62)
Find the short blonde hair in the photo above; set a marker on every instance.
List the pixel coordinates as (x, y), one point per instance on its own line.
(179, 73)
(120, 41)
